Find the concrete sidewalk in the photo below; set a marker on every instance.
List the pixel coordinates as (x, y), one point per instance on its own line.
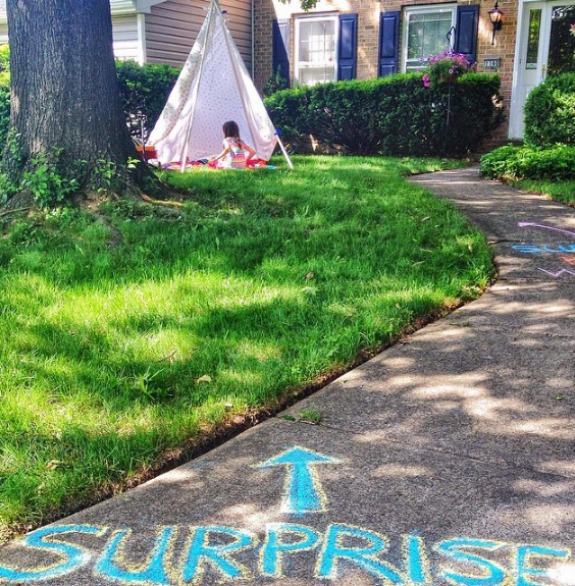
(447, 459)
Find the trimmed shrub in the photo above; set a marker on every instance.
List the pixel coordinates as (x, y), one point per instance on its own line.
(5, 65)
(4, 93)
(550, 112)
(4, 114)
(144, 90)
(393, 115)
(510, 162)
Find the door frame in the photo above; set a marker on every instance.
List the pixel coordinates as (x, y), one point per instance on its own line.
(517, 101)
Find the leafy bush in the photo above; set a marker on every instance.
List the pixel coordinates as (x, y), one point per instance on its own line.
(275, 83)
(144, 90)
(393, 115)
(4, 93)
(511, 162)
(5, 65)
(47, 180)
(550, 112)
(4, 113)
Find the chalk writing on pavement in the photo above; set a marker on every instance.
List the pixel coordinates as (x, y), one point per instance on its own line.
(188, 554)
(302, 490)
(235, 554)
(549, 249)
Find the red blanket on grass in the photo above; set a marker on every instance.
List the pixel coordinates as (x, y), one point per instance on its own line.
(252, 164)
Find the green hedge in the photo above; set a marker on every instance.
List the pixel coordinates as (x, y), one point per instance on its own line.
(4, 93)
(393, 115)
(510, 162)
(4, 113)
(550, 112)
(4, 65)
(143, 89)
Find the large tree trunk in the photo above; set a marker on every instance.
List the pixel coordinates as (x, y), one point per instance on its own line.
(65, 96)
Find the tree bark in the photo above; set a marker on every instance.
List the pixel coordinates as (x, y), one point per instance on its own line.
(65, 96)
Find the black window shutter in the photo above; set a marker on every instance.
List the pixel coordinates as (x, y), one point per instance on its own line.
(466, 31)
(280, 48)
(388, 42)
(347, 49)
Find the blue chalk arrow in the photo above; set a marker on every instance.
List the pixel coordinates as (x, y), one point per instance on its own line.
(303, 492)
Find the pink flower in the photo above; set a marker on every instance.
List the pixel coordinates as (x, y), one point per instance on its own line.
(573, 29)
(444, 68)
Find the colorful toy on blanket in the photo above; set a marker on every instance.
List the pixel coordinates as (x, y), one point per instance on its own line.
(252, 164)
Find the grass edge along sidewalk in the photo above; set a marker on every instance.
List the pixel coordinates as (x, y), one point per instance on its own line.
(120, 354)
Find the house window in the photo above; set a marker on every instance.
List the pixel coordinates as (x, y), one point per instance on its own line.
(562, 43)
(316, 50)
(427, 31)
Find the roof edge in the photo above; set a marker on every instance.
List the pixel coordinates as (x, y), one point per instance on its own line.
(117, 7)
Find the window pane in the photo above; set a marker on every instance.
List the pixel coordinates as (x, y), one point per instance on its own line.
(313, 75)
(415, 40)
(533, 39)
(427, 35)
(316, 51)
(317, 41)
(562, 43)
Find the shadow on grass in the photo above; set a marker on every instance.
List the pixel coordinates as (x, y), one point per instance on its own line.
(259, 292)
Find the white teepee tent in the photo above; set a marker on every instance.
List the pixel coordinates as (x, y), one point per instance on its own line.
(214, 86)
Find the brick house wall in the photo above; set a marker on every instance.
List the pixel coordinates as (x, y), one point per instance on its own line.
(503, 49)
(368, 12)
(368, 32)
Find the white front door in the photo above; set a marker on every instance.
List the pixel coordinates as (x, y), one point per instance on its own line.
(544, 47)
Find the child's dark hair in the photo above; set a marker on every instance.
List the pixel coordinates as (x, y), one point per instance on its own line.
(231, 129)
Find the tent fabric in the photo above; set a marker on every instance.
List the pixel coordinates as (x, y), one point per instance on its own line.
(214, 86)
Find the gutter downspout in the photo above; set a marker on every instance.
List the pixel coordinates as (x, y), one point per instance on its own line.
(142, 49)
(253, 39)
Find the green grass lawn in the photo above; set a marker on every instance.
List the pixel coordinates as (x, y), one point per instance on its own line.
(119, 348)
(561, 191)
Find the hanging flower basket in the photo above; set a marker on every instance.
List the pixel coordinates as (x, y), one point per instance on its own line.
(444, 68)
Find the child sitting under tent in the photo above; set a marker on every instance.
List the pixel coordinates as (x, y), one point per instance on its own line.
(214, 85)
(233, 155)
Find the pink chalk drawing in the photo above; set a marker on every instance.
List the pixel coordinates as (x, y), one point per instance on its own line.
(525, 224)
(568, 260)
(558, 273)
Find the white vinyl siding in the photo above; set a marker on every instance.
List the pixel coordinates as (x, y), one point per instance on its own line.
(125, 34)
(116, 6)
(166, 29)
(124, 29)
(122, 7)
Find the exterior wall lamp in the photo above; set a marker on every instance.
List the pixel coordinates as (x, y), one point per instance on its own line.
(496, 18)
